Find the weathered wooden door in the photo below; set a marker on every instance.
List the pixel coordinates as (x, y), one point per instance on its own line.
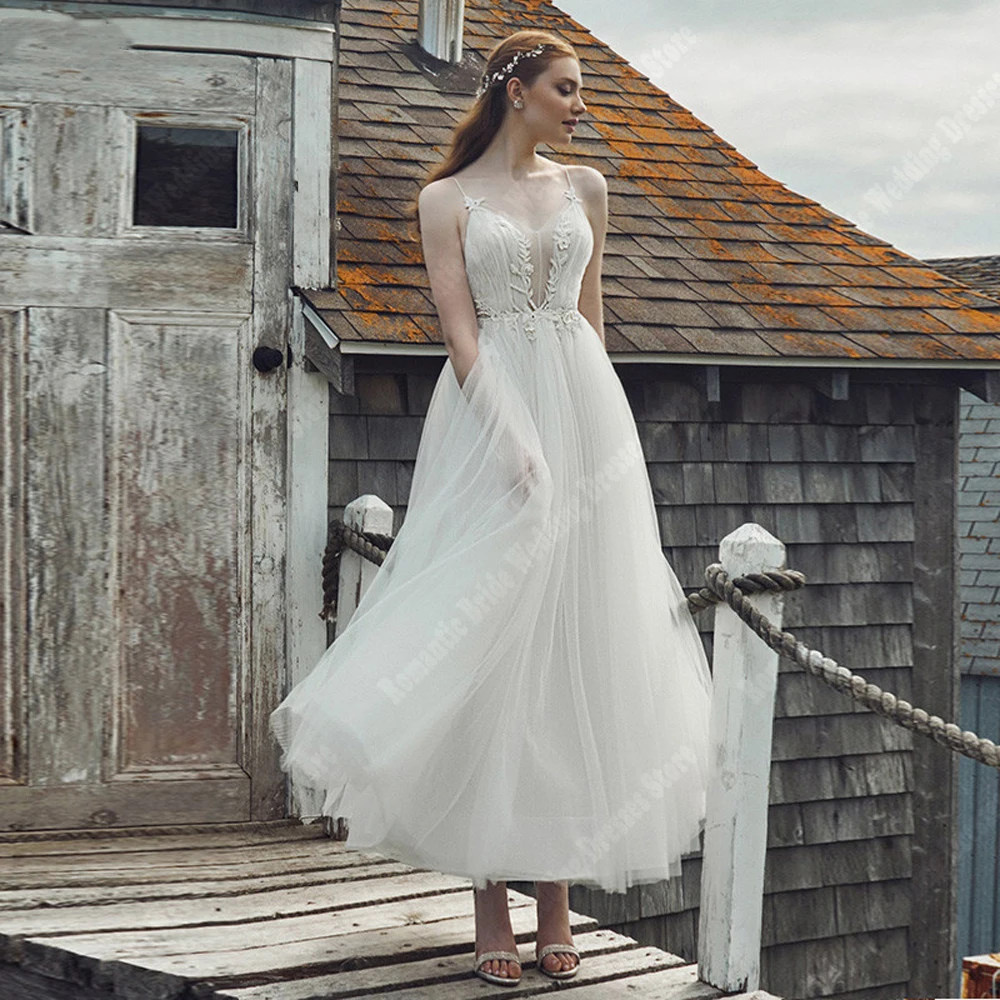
(144, 264)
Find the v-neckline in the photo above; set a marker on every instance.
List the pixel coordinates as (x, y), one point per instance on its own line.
(571, 199)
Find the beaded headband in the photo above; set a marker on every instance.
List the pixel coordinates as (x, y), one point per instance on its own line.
(488, 81)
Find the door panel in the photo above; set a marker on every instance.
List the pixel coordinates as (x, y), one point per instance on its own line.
(142, 614)
(176, 508)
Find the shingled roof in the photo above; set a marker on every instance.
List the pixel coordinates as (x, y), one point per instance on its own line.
(980, 273)
(706, 257)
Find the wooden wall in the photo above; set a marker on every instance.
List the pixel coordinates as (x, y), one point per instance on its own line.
(862, 493)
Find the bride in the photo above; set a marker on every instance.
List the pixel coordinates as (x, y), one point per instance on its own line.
(521, 692)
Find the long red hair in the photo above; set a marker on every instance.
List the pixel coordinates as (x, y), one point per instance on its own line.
(483, 119)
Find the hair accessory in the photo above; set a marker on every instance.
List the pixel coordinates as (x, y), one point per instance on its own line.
(488, 81)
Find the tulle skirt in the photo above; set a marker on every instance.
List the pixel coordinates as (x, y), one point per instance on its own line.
(521, 693)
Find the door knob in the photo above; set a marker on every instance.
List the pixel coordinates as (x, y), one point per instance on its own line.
(266, 359)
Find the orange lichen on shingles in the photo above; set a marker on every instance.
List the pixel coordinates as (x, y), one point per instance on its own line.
(747, 211)
(963, 319)
(717, 248)
(986, 348)
(796, 214)
(367, 274)
(816, 343)
(656, 168)
(379, 326)
(778, 316)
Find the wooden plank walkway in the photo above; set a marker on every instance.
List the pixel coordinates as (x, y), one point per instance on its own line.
(272, 911)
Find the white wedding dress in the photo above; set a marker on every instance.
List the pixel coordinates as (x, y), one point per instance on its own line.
(521, 692)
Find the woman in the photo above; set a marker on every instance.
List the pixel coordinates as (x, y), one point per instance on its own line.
(521, 692)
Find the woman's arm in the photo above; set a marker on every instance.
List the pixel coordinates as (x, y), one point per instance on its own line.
(594, 194)
(445, 264)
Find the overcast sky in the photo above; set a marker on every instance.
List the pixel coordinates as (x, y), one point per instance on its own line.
(885, 111)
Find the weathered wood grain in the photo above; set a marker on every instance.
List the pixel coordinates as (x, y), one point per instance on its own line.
(836, 820)
(811, 866)
(840, 777)
(307, 41)
(607, 956)
(14, 696)
(800, 694)
(76, 149)
(836, 965)
(71, 651)
(278, 946)
(125, 274)
(805, 738)
(139, 859)
(935, 687)
(188, 886)
(214, 911)
(177, 559)
(308, 444)
(96, 806)
(311, 171)
(178, 872)
(264, 533)
(16, 158)
(46, 54)
(39, 843)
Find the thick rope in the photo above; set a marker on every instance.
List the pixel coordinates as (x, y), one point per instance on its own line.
(828, 670)
(733, 592)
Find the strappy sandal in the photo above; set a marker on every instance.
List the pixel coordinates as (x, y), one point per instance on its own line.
(492, 977)
(550, 949)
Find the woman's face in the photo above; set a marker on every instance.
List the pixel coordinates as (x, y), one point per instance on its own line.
(553, 100)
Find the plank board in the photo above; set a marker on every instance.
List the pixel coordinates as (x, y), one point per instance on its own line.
(117, 274)
(42, 48)
(285, 920)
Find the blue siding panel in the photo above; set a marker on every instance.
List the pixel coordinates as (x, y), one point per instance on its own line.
(978, 826)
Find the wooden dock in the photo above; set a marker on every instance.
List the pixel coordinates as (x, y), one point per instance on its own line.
(272, 911)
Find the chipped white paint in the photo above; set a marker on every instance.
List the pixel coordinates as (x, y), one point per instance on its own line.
(13, 631)
(308, 462)
(213, 34)
(313, 141)
(50, 57)
(745, 673)
(15, 166)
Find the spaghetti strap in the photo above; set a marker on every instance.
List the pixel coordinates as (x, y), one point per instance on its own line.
(460, 188)
(568, 178)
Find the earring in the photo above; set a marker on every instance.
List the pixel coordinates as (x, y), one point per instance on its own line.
(518, 104)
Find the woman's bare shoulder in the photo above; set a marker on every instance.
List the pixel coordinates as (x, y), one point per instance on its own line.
(439, 200)
(444, 188)
(588, 179)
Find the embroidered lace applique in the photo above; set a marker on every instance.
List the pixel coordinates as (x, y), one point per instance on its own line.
(523, 269)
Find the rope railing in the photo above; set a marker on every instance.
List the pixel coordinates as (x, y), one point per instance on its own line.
(721, 589)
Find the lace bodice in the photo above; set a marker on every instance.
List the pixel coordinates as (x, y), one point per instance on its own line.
(519, 272)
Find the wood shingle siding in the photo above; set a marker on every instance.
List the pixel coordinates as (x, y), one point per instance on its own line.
(839, 482)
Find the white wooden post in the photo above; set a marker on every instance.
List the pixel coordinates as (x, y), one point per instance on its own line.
(367, 513)
(745, 673)
(308, 523)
